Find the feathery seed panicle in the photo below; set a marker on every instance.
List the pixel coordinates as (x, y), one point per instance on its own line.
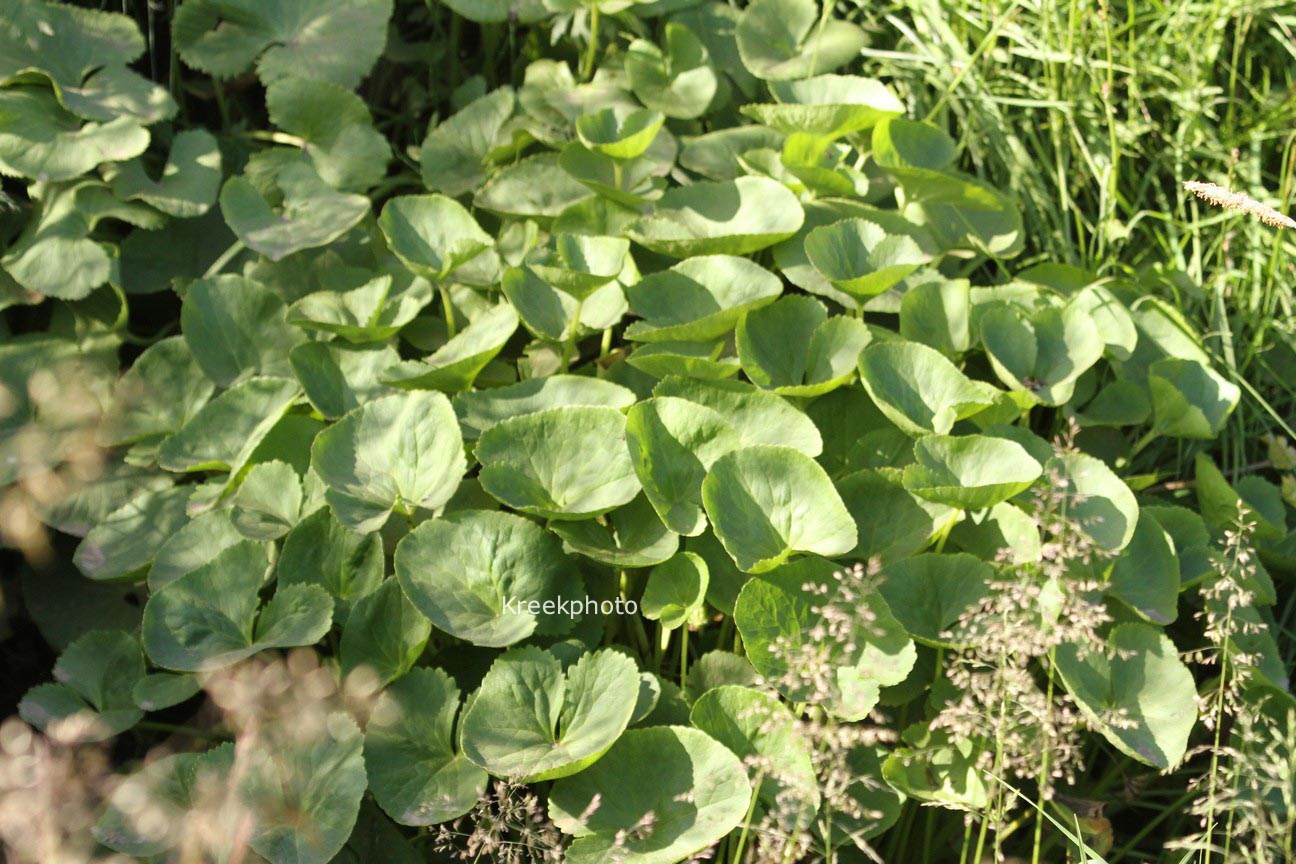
(1240, 201)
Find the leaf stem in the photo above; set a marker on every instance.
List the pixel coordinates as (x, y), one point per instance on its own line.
(225, 257)
(591, 52)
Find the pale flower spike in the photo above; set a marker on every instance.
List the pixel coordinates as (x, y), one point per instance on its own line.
(1231, 200)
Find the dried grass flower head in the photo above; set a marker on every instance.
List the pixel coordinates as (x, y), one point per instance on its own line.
(1240, 201)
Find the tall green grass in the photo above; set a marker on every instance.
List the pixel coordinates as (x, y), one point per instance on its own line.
(1094, 114)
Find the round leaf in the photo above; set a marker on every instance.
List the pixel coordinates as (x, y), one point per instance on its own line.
(728, 218)
(698, 299)
(970, 472)
(432, 234)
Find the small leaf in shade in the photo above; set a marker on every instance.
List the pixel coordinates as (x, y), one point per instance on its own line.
(561, 463)
(320, 551)
(312, 213)
(189, 181)
(929, 593)
(384, 633)
(634, 536)
(675, 590)
(414, 769)
(1145, 576)
(1189, 399)
(124, 543)
(268, 501)
(236, 329)
(225, 431)
(476, 574)
(91, 699)
(370, 313)
(761, 500)
(432, 234)
(397, 452)
(335, 131)
(678, 80)
(533, 721)
(212, 617)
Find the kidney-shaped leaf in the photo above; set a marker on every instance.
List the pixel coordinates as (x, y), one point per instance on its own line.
(480, 410)
(759, 417)
(432, 234)
(918, 389)
(679, 80)
(792, 347)
(766, 503)
(532, 721)
(619, 131)
(929, 593)
(698, 299)
(1137, 693)
(312, 213)
(696, 793)
(562, 463)
(783, 39)
(1044, 353)
(370, 313)
(724, 218)
(475, 574)
(397, 452)
(859, 257)
(970, 472)
(827, 106)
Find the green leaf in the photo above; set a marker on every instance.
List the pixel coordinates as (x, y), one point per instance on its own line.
(454, 155)
(727, 218)
(312, 213)
(499, 11)
(455, 365)
(320, 551)
(484, 577)
(384, 633)
(394, 453)
(124, 543)
(929, 593)
(1146, 574)
(414, 771)
(155, 260)
(675, 590)
(685, 359)
(236, 329)
(678, 81)
(1137, 693)
(339, 378)
(936, 314)
(432, 234)
(760, 730)
(551, 314)
(697, 793)
(188, 183)
(86, 55)
(634, 536)
(673, 443)
(1189, 399)
(531, 721)
(768, 502)
(225, 431)
(268, 501)
(194, 544)
(619, 131)
(939, 767)
(759, 417)
(55, 255)
(1252, 500)
(211, 618)
(335, 130)
(561, 463)
(699, 299)
(785, 637)
(306, 792)
(161, 392)
(784, 39)
(534, 188)
(792, 347)
(918, 389)
(1097, 498)
(42, 141)
(1043, 354)
(91, 700)
(332, 40)
(371, 313)
(970, 472)
(162, 690)
(860, 258)
(911, 521)
(479, 411)
(579, 264)
(827, 106)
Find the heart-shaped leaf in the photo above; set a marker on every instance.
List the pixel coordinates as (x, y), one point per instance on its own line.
(1044, 353)
(678, 80)
(312, 213)
(188, 183)
(792, 347)
(675, 590)
(456, 364)
(579, 264)
(761, 500)
(1098, 500)
(484, 577)
(268, 501)
(383, 634)
(826, 106)
(730, 218)
(432, 234)
(633, 536)
(1146, 575)
(784, 39)
(320, 551)
(395, 453)
(414, 770)
(699, 792)
(860, 258)
(561, 463)
(698, 299)
(970, 472)
(372, 312)
(918, 389)
(532, 721)
(618, 131)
